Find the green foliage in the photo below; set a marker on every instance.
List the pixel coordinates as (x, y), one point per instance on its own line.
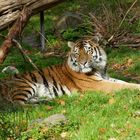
(13, 121)
(120, 57)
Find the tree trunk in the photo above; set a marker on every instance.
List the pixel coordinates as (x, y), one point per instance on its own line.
(10, 9)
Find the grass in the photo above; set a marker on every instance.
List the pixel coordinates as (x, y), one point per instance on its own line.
(92, 116)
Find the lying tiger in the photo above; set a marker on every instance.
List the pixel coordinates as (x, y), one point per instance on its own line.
(79, 73)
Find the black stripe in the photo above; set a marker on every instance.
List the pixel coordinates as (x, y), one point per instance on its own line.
(21, 99)
(28, 86)
(51, 67)
(28, 91)
(54, 82)
(22, 94)
(62, 90)
(23, 78)
(44, 79)
(18, 90)
(105, 69)
(55, 92)
(95, 52)
(99, 50)
(58, 76)
(19, 80)
(17, 76)
(33, 77)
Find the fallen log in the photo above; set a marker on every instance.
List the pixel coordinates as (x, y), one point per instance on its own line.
(10, 9)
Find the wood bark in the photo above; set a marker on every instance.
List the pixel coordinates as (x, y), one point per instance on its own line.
(10, 9)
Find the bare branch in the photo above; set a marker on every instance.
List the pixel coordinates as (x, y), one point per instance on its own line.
(26, 57)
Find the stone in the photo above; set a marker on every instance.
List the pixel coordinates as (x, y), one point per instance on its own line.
(52, 120)
(10, 70)
(69, 20)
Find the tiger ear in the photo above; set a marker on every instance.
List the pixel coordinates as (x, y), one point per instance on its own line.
(71, 44)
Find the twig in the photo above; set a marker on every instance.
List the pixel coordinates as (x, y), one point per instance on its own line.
(26, 57)
(122, 20)
(55, 54)
(99, 27)
(129, 45)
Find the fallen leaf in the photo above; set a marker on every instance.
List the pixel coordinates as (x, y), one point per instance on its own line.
(28, 52)
(125, 107)
(44, 129)
(64, 134)
(129, 62)
(61, 102)
(129, 126)
(49, 107)
(111, 101)
(102, 130)
(116, 66)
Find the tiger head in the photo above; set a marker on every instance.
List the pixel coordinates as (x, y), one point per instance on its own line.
(80, 57)
(86, 56)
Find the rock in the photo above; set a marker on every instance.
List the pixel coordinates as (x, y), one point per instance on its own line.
(69, 20)
(10, 70)
(50, 121)
(137, 113)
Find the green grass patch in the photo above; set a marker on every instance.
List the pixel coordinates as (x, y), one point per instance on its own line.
(121, 57)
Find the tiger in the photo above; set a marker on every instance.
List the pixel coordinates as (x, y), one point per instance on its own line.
(57, 80)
